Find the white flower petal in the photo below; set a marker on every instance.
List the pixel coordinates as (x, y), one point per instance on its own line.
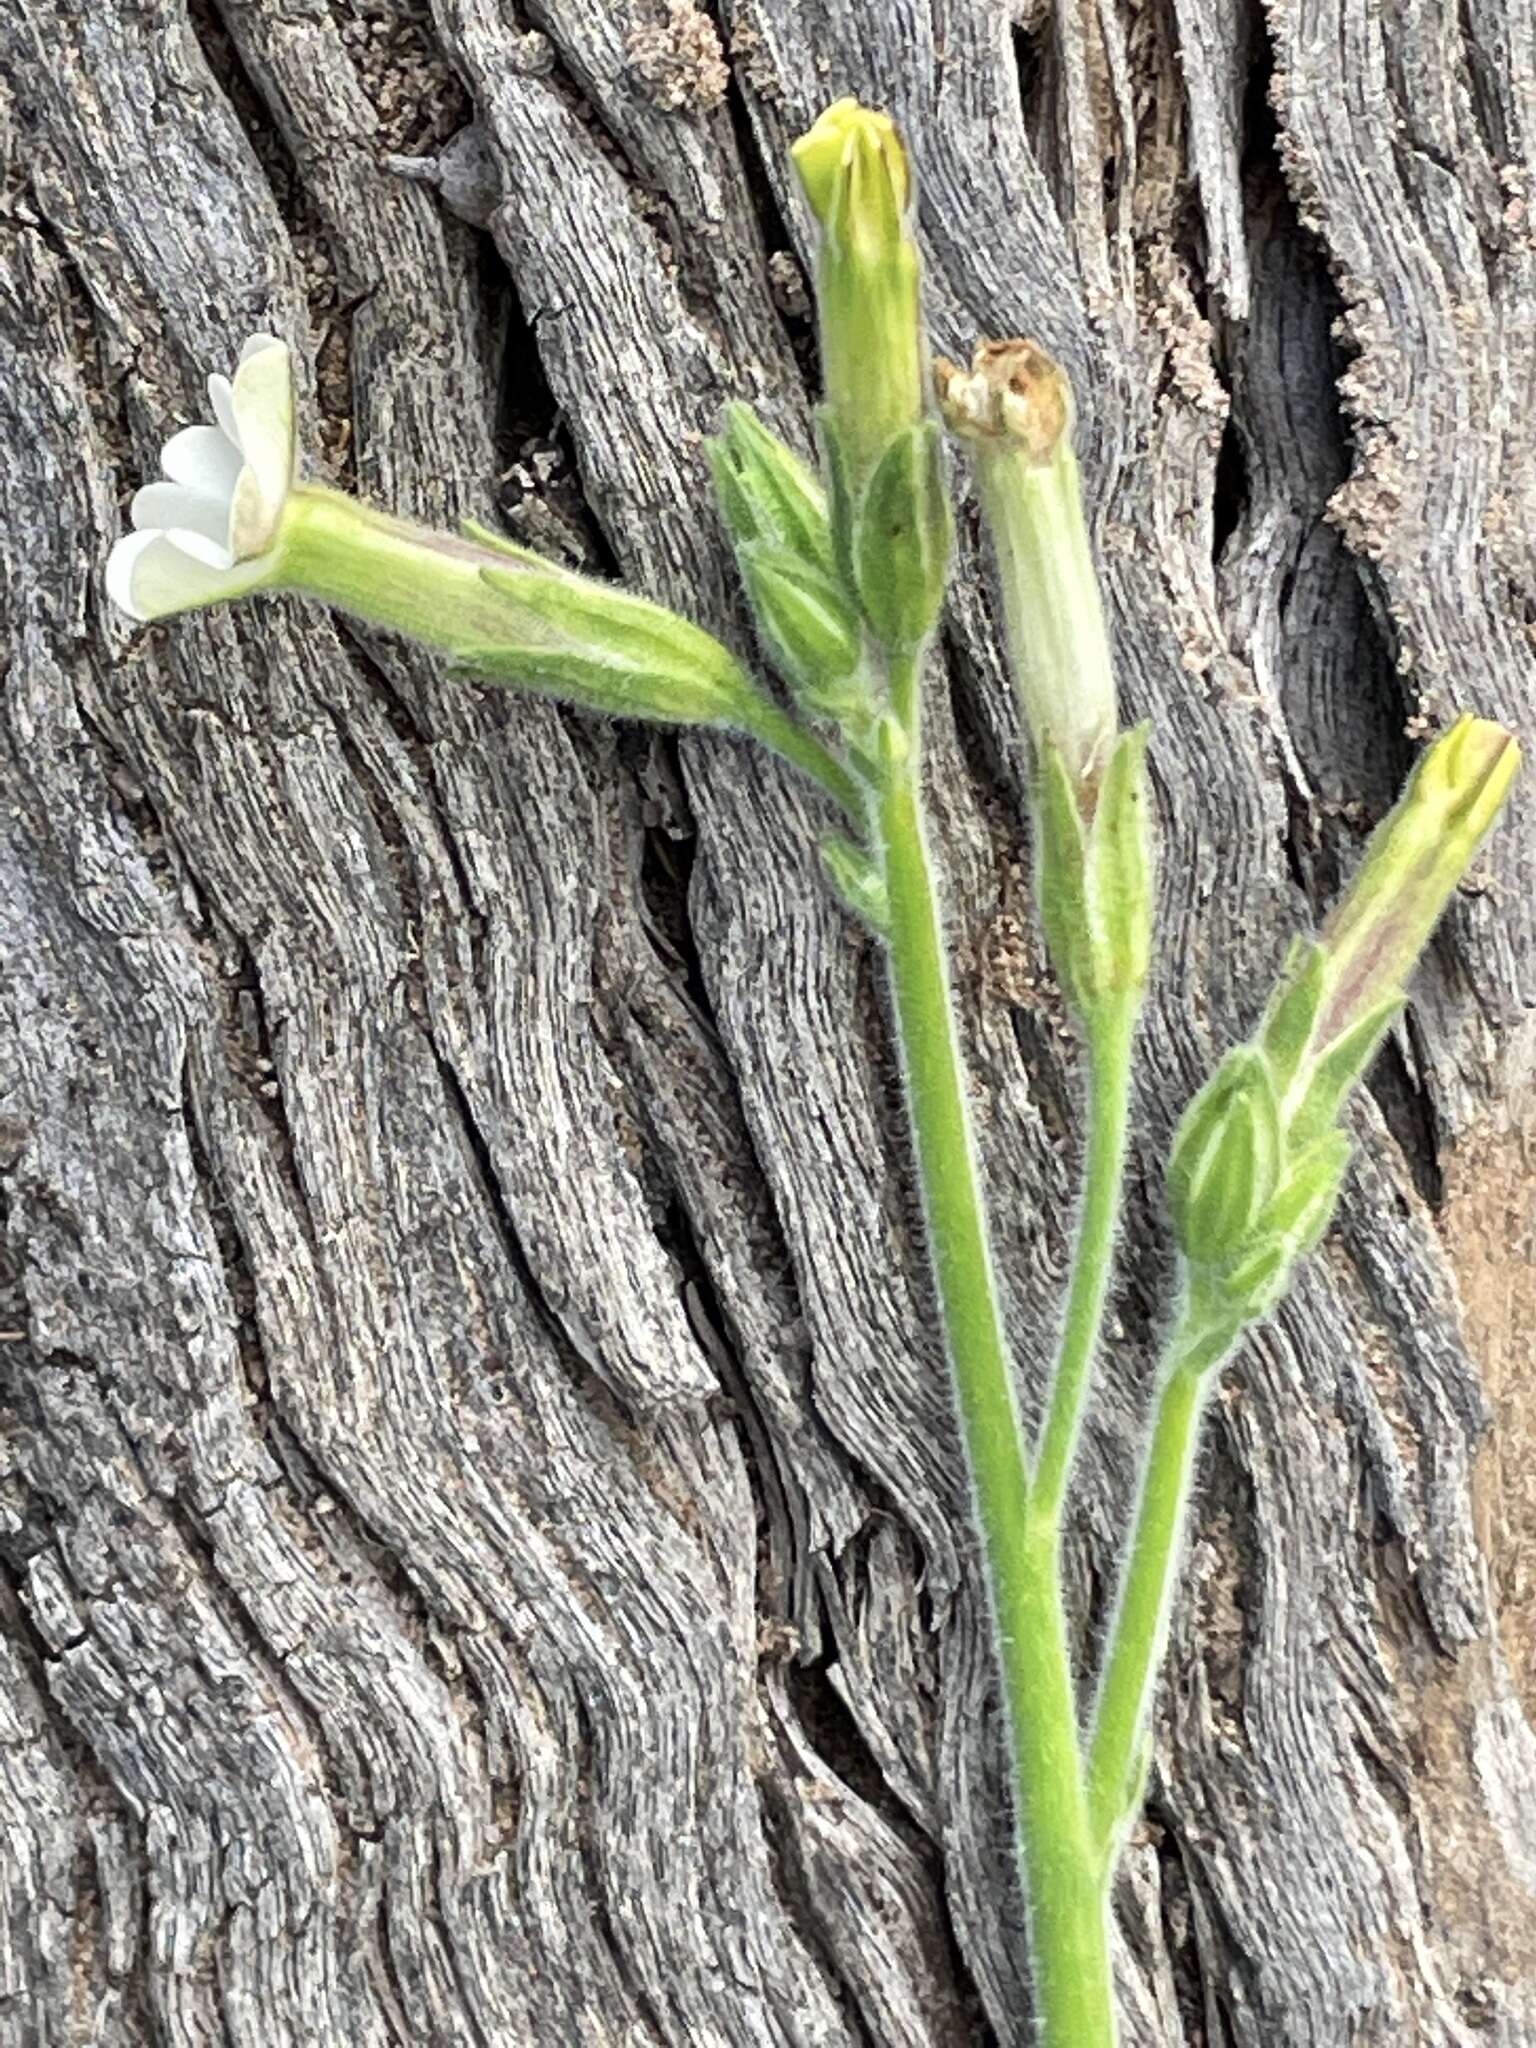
(200, 547)
(122, 565)
(203, 460)
(207, 532)
(262, 397)
(165, 505)
(149, 576)
(223, 408)
(260, 341)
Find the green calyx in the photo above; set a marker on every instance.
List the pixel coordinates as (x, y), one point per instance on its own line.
(1299, 1210)
(1251, 1190)
(859, 883)
(1226, 1160)
(779, 519)
(1252, 1280)
(903, 534)
(1323, 1086)
(610, 652)
(1095, 879)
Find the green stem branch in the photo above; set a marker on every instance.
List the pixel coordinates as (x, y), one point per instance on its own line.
(1111, 1034)
(1065, 1878)
(1149, 1576)
(776, 729)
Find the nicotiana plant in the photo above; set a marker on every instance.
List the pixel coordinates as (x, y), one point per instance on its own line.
(845, 564)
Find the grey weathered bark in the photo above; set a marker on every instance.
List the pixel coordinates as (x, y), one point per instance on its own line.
(484, 1545)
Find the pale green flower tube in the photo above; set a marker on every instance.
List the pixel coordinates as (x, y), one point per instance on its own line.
(1013, 408)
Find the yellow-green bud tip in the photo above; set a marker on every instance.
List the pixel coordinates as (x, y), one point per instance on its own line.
(1469, 771)
(1013, 393)
(855, 173)
(1412, 867)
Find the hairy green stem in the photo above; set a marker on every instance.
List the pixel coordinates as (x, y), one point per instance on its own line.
(1148, 1577)
(776, 729)
(1065, 1878)
(1111, 1033)
(905, 675)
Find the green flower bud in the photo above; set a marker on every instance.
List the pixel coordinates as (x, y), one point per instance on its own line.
(1269, 1114)
(1412, 866)
(857, 880)
(902, 536)
(855, 174)
(810, 628)
(1226, 1160)
(1340, 992)
(1013, 409)
(767, 493)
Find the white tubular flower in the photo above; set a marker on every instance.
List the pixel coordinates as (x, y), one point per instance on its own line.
(209, 529)
(231, 516)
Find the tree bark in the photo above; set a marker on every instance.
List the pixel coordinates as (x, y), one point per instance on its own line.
(485, 1552)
